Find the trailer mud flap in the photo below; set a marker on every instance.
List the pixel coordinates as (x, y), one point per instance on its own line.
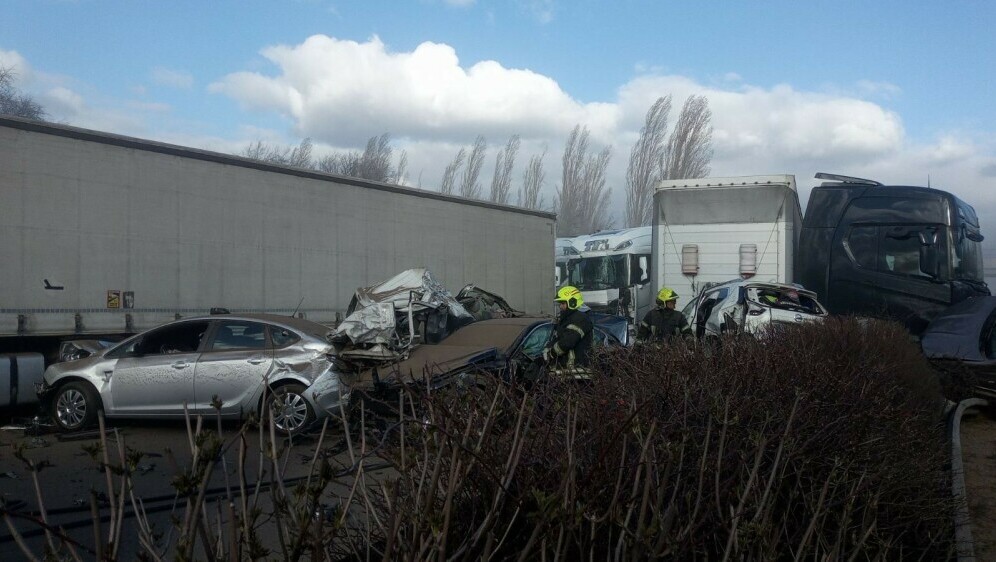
(19, 373)
(13, 381)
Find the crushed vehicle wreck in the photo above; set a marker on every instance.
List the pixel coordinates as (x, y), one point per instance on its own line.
(227, 364)
(410, 329)
(507, 348)
(750, 306)
(964, 336)
(385, 320)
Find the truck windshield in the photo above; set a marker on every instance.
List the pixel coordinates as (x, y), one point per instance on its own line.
(967, 260)
(597, 274)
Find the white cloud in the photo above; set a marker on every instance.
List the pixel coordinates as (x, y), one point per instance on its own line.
(542, 10)
(13, 61)
(459, 3)
(63, 101)
(344, 90)
(150, 106)
(172, 78)
(885, 90)
(340, 93)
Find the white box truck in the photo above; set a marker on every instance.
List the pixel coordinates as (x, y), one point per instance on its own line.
(712, 230)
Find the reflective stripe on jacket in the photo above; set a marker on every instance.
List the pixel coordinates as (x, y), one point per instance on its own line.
(573, 339)
(661, 324)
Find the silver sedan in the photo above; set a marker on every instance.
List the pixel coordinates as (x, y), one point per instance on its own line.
(227, 364)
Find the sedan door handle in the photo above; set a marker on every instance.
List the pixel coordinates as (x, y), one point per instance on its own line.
(255, 361)
(180, 365)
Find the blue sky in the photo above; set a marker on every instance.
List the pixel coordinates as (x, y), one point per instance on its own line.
(890, 90)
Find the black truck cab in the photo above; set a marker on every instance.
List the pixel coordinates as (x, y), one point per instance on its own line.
(898, 252)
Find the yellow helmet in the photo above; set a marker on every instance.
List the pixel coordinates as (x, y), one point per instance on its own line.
(666, 294)
(571, 296)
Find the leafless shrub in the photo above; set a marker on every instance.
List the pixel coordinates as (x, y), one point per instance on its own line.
(821, 442)
(817, 442)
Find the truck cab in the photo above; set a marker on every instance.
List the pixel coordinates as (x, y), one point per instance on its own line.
(564, 252)
(899, 252)
(612, 271)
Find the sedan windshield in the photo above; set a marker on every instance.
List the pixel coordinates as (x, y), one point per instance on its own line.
(597, 274)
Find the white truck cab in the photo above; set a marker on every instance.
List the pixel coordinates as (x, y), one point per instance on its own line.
(612, 271)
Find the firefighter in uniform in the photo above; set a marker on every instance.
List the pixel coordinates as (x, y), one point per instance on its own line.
(572, 342)
(664, 322)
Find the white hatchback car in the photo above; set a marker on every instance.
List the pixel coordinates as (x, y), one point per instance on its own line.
(750, 306)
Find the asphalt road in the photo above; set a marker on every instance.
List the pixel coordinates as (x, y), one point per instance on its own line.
(162, 449)
(978, 441)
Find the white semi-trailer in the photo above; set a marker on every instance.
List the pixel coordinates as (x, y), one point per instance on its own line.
(102, 234)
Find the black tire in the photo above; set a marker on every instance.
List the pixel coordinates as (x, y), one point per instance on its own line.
(290, 411)
(75, 405)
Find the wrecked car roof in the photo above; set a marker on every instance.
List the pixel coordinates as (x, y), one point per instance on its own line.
(957, 332)
(478, 342)
(428, 360)
(499, 332)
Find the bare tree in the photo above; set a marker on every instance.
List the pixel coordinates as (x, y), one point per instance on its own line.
(298, 156)
(449, 174)
(257, 150)
(645, 161)
(572, 171)
(583, 196)
(595, 196)
(341, 163)
(13, 102)
(401, 172)
(532, 182)
(689, 150)
(375, 162)
(501, 183)
(469, 187)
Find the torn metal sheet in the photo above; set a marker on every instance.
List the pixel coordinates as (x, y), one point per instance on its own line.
(374, 324)
(485, 305)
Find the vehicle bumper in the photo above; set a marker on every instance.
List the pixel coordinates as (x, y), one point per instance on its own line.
(328, 396)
